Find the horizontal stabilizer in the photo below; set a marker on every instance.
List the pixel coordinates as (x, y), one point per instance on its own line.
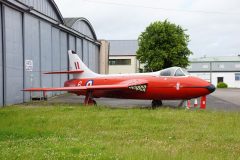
(66, 72)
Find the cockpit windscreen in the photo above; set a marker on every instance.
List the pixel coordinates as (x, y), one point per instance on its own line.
(174, 71)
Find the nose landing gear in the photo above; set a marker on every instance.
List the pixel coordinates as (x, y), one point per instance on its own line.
(156, 103)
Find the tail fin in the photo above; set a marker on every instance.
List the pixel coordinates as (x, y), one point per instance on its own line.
(75, 64)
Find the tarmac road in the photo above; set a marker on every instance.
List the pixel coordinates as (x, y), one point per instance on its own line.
(221, 99)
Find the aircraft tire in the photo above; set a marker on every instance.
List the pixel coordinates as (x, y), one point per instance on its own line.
(156, 103)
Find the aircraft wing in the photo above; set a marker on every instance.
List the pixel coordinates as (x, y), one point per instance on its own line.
(135, 85)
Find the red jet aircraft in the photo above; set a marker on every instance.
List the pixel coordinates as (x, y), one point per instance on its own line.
(172, 83)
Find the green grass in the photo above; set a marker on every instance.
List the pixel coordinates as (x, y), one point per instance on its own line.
(61, 131)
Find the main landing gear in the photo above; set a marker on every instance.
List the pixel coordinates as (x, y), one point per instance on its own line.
(89, 99)
(156, 103)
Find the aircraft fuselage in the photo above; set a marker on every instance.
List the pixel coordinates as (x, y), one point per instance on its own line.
(158, 87)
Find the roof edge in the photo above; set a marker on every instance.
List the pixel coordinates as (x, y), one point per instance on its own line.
(57, 10)
(76, 19)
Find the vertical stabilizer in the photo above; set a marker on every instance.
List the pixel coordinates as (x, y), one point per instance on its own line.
(75, 64)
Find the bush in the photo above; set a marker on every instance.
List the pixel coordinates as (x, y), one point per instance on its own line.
(222, 85)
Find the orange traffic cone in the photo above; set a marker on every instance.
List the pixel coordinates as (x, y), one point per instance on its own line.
(195, 103)
(188, 104)
(203, 102)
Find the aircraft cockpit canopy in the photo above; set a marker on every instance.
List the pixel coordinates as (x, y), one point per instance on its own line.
(174, 71)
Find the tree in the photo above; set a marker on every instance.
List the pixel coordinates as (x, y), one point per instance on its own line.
(163, 45)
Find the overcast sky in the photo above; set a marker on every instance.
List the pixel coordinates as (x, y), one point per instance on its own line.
(213, 25)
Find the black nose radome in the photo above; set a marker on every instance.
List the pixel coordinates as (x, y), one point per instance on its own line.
(211, 88)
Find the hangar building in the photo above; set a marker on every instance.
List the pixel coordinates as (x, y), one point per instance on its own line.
(34, 38)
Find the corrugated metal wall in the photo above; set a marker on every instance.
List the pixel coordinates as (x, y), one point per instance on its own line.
(14, 56)
(56, 58)
(64, 56)
(31, 53)
(93, 57)
(91, 51)
(71, 46)
(46, 54)
(30, 39)
(79, 47)
(42, 6)
(1, 60)
(72, 42)
(82, 27)
(85, 52)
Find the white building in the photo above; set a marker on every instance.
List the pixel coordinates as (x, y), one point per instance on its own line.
(217, 69)
(122, 56)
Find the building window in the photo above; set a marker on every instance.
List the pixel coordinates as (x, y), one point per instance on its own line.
(119, 61)
(237, 65)
(221, 66)
(237, 76)
(219, 79)
(205, 66)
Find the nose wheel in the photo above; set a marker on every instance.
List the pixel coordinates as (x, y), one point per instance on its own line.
(156, 103)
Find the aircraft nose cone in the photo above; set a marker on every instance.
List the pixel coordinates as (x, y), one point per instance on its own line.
(211, 88)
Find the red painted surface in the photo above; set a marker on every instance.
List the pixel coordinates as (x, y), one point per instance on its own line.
(158, 88)
(188, 104)
(203, 102)
(163, 88)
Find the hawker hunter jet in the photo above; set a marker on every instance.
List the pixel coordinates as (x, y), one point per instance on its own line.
(173, 83)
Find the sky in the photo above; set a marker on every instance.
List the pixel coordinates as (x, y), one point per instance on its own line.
(213, 25)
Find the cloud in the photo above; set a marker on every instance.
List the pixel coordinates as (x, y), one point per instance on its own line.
(213, 26)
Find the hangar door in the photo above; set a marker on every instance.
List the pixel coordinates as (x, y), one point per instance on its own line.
(93, 57)
(31, 55)
(56, 59)
(46, 55)
(85, 52)
(71, 46)
(63, 57)
(1, 65)
(14, 56)
(72, 43)
(79, 47)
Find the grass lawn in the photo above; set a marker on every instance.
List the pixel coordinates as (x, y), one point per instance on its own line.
(62, 131)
